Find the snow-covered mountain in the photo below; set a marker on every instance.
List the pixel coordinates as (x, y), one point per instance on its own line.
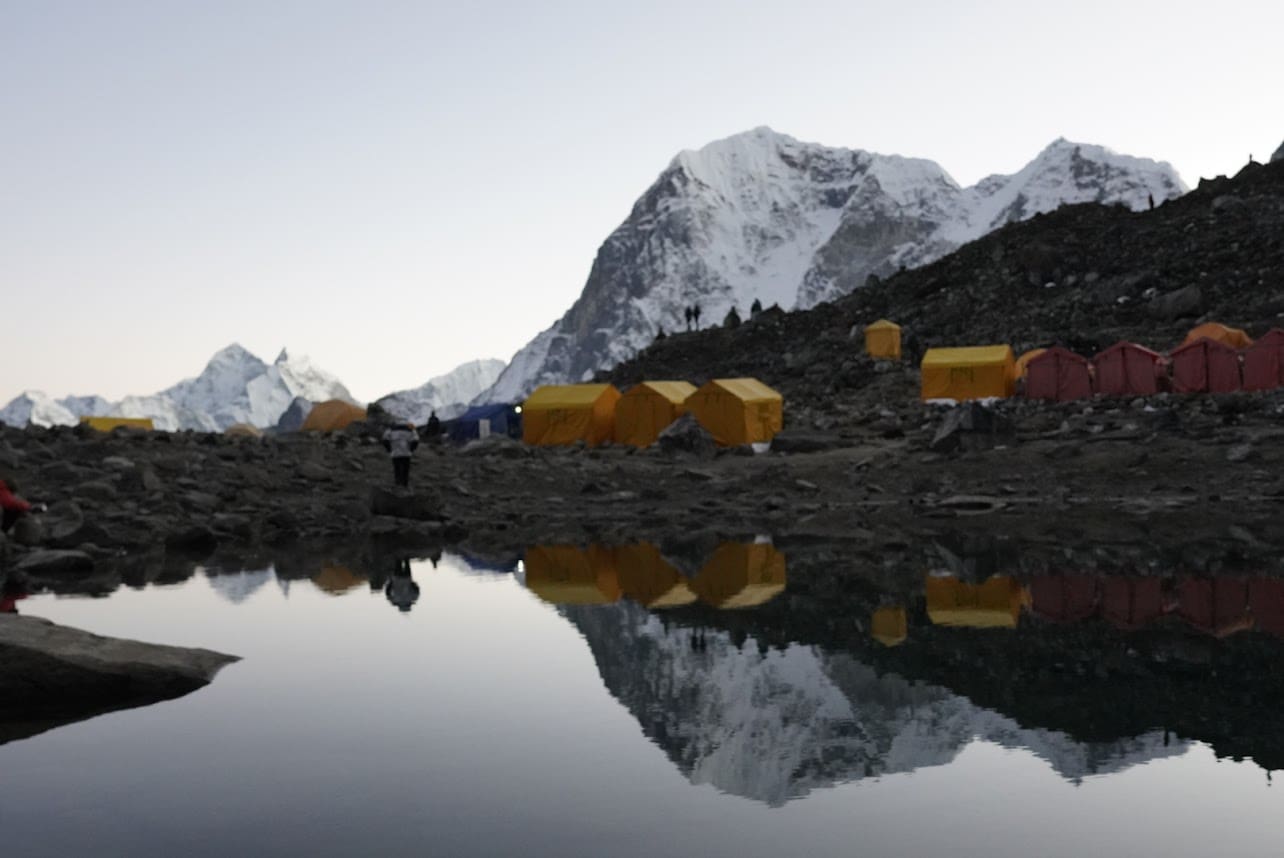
(1279, 154)
(763, 216)
(38, 409)
(447, 394)
(774, 725)
(235, 387)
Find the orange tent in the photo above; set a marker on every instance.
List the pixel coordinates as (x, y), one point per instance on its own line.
(741, 575)
(883, 340)
(1233, 337)
(644, 412)
(567, 575)
(650, 580)
(333, 415)
(738, 410)
(558, 414)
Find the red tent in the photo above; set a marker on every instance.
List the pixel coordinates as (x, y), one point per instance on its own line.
(1064, 598)
(1130, 603)
(1264, 362)
(1127, 369)
(1217, 606)
(1058, 374)
(1266, 598)
(1205, 366)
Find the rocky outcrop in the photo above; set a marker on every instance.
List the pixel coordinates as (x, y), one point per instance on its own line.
(52, 675)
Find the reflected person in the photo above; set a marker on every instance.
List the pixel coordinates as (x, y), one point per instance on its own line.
(401, 589)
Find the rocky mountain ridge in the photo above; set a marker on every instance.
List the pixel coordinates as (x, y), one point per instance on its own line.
(762, 216)
(448, 395)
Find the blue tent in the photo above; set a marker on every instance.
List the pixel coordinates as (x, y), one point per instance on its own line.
(503, 420)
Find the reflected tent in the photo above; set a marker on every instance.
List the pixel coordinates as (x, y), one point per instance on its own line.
(1129, 604)
(995, 604)
(741, 575)
(1215, 606)
(1064, 598)
(1266, 598)
(889, 625)
(568, 575)
(337, 580)
(650, 580)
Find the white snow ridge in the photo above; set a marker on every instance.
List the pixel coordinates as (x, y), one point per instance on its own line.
(763, 216)
(448, 395)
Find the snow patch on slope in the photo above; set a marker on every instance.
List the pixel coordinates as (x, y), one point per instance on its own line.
(448, 395)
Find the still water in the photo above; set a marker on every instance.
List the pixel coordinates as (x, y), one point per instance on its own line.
(597, 702)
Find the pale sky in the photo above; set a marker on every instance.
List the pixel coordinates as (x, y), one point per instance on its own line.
(394, 188)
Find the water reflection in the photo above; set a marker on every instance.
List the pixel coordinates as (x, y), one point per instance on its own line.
(736, 575)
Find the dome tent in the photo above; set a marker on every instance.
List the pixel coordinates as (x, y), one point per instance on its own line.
(1233, 337)
(1264, 362)
(333, 415)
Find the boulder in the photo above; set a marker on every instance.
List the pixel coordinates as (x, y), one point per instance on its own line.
(969, 418)
(52, 675)
(28, 531)
(404, 503)
(686, 435)
(1178, 303)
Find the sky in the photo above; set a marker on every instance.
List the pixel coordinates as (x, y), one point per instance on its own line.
(395, 188)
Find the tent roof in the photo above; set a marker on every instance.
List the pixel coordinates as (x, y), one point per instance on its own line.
(882, 325)
(566, 395)
(1124, 344)
(674, 391)
(1057, 352)
(1217, 331)
(746, 389)
(968, 355)
(1201, 342)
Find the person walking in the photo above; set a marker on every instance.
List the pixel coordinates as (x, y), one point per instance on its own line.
(400, 441)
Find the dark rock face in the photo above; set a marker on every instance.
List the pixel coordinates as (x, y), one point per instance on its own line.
(46, 562)
(1178, 303)
(52, 675)
(1279, 154)
(292, 419)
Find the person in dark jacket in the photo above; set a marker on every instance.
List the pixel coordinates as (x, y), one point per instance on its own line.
(12, 507)
(401, 442)
(432, 429)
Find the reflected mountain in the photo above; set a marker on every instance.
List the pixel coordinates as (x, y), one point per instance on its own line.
(775, 724)
(238, 586)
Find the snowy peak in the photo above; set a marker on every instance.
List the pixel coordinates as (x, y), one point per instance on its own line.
(37, 409)
(234, 387)
(448, 395)
(762, 216)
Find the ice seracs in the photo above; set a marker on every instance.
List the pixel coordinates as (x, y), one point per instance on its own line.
(37, 409)
(763, 216)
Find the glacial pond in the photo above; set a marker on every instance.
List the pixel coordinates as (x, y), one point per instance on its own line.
(748, 700)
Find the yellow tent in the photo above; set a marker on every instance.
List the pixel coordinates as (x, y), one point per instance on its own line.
(994, 604)
(337, 579)
(566, 575)
(643, 413)
(1233, 337)
(1022, 362)
(741, 575)
(738, 410)
(883, 340)
(650, 580)
(566, 413)
(243, 430)
(333, 415)
(975, 372)
(106, 424)
(889, 626)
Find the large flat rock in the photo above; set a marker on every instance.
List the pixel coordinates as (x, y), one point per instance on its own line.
(52, 675)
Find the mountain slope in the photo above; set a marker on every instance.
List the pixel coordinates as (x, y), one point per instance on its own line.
(448, 395)
(761, 216)
(36, 408)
